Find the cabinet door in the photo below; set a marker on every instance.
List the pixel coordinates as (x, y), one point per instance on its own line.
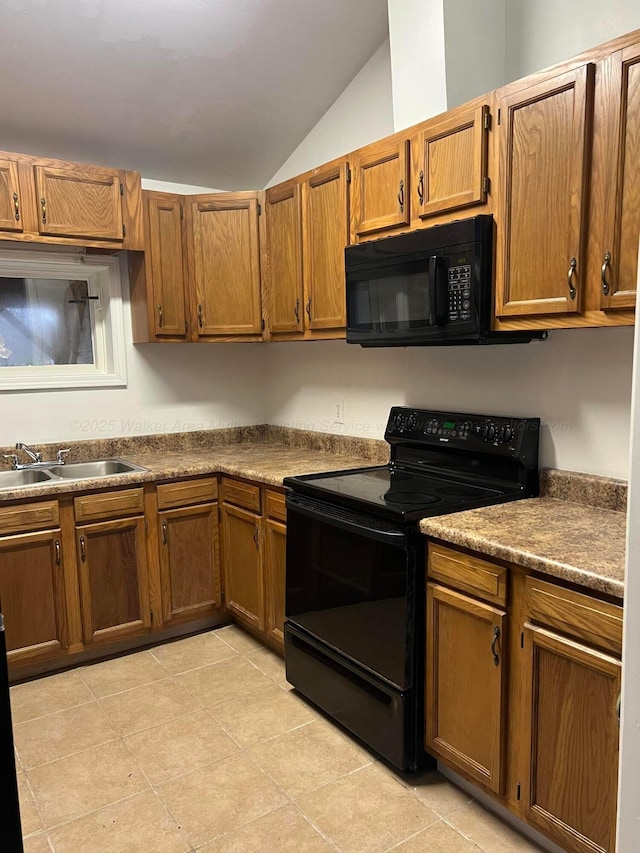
(242, 563)
(80, 202)
(450, 163)
(466, 658)
(10, 213)
(572, 729)
(325, 233)
(623, 221)
(226, 264)
(113, 580)
(32, 595)
(544, 159)
(283, 211)
(189, 562)
(275, 554)
(380, 188)
(166, 277)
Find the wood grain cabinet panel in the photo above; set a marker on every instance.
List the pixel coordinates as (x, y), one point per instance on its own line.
(325, 233)
(80, 202)
(225, 264)
(32, 595)
(114, 592)
(465, 658)
(572, 729)
(242, 561)
(10, 212)
(544, 160)
(189, 562)
(450, 162)
(275, 558)
(380, 187)
(283, 211)
(166, 264)
(621, 226)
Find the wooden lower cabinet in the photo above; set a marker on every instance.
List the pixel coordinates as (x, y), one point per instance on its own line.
(572, 727)
(114, 594)
(275, 553)
(189, 562)
(552, 711)
(243, 565)
(465, 658)
(32, 595)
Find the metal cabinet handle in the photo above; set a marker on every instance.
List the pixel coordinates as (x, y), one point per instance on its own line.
(43, 202)
(256, 536)
(16, 206)
(603, 273)
(160, 321)
(309, 308)
(83, 550)
(570, 274)
(618, 707)
(57, 544)
(297, 311)
(164, 532)
(421, 187)
(401, 196)
(496, 637)
(200, 320)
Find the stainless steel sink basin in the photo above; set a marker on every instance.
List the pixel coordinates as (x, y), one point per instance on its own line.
(15, 479)
(96, 468)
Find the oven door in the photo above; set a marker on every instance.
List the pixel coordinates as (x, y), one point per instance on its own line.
(351, 584)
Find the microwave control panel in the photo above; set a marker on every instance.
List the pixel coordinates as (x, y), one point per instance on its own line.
(459, 287)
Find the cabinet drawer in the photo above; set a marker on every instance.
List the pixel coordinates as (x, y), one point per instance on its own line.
(109, 505)
(241, 494)
(275, 505)
(581, 616)
(199, 491)
(467, 573)
(22, 517)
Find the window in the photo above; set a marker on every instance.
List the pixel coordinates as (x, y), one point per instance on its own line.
(61, 321)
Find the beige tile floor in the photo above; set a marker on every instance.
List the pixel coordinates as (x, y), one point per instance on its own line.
(200, 744)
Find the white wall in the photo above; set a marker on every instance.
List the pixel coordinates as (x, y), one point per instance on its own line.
(171, 187)
(543, 32)
(577, 381)
(363, 113)
(170, 388)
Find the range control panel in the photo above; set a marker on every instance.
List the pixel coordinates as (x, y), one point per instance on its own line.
(419, 426)
(459, 287)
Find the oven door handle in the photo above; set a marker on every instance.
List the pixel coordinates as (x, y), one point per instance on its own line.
(354, 523)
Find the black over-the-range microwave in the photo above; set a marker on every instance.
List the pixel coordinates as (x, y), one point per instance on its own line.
(427, 287)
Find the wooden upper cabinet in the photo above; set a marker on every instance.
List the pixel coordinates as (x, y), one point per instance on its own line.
(225, 264)
(380, 187)
(449, 168)
(283, 212)
(10, 214)
(621, 226)
(572, 733)
(166, 264)
(466, 658)
(325, 233)
(80, 201)
(544, 160)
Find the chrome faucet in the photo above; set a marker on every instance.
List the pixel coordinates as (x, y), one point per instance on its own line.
(35, 456)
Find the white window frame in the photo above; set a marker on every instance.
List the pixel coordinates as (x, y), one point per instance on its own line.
(102, 274)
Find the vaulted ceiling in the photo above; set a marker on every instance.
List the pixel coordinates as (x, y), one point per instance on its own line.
(210, 92)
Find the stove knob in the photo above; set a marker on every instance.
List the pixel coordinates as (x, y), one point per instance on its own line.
(399, 423)
(506, 434)
(489, 432)
(412, 423)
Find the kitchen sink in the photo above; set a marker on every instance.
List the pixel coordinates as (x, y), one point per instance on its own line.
(96, 468)
(15, 479)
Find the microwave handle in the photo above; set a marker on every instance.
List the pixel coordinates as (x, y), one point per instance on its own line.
(438, 290)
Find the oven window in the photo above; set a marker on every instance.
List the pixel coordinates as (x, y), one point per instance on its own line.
(350, 592)
(396, 300)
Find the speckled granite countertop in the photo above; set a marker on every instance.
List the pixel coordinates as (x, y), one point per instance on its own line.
(571, 541)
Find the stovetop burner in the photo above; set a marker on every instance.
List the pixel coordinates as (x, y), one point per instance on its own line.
(410, 498)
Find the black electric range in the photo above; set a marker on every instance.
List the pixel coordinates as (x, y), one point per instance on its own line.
(355, 588)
